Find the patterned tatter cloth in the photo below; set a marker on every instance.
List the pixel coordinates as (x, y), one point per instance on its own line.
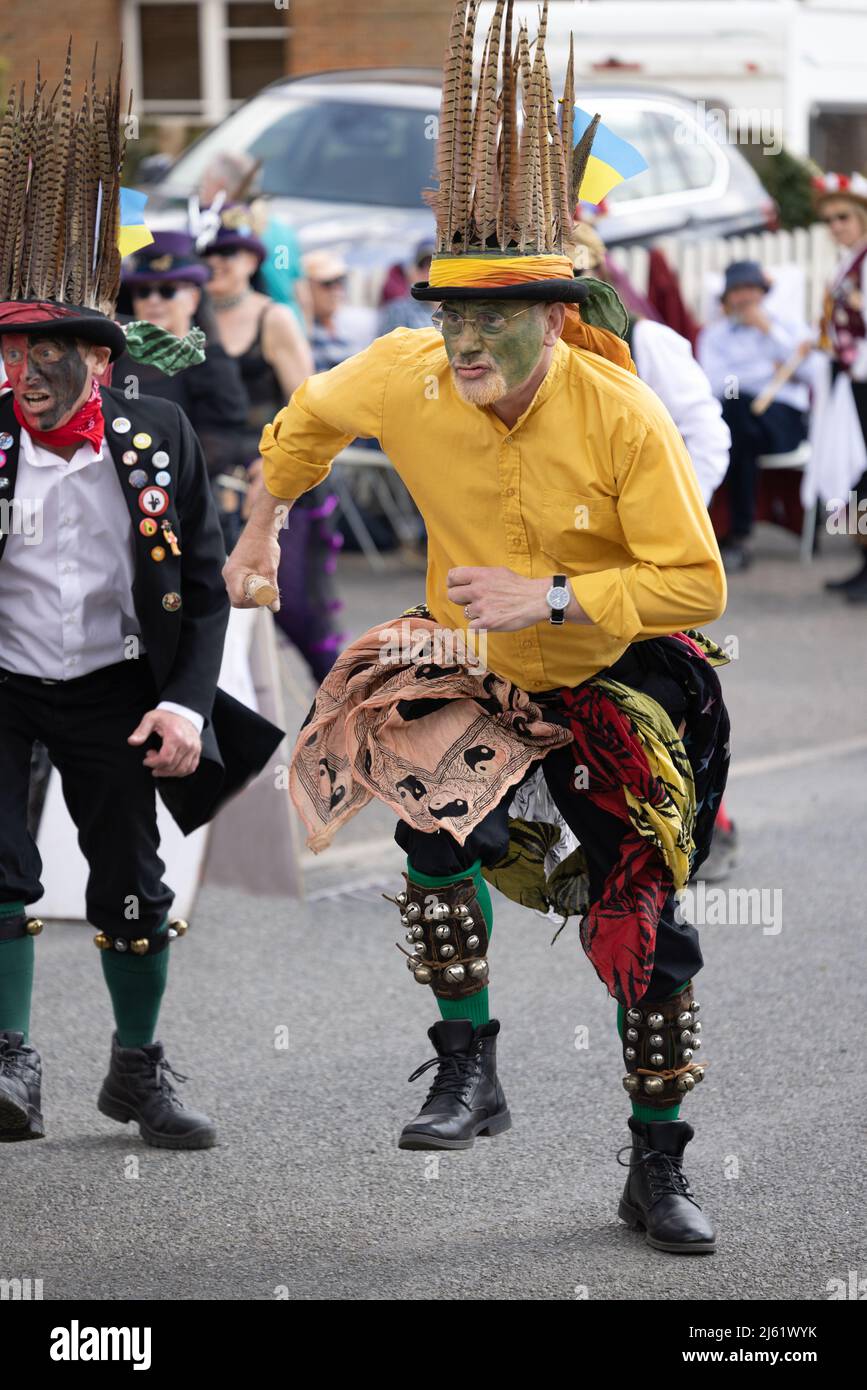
(442, 746)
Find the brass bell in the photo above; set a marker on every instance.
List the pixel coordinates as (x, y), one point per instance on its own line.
(180, 926)
(401, 898)
(696, 1029)
(413, 912)
(412, 962)
(697, 1074)
(409, 937)
(472, 942)
(632, 1034)
(655, 1020)
(686, 1037)
(423, 975)
(102, 941)
(684, 1020)
(35, 925)
(443, 932)
(696, 1044)
(454, 974)
(631, 1084)
(465, 920)
(657, 1059)
(630, 1054)
(140, 947)
(446, 952)
(418, 950)
(633, 1016)
(685, 1082)
(657, 1040)
(404, 920)
(418, 933)
(686, 1054)
(441, 912)
(479, 969)
(653, 1085)
(695, 1006)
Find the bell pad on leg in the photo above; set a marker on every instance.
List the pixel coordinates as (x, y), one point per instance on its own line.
(659, 1046)
(447, 936)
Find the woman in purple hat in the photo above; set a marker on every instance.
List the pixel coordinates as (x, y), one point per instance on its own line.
(266, 341)
(164, 284)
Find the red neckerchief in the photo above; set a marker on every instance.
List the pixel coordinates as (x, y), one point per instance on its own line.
(85, 426)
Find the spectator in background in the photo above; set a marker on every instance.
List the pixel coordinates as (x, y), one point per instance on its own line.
(338, 330)
(740, 354)
(404, 311)
(165, 284)
(274, 358)
(229, 179)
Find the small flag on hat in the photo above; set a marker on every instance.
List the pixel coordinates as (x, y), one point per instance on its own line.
(133, 233)
(611, 161)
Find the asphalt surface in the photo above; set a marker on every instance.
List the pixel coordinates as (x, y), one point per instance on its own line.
(298, 1026)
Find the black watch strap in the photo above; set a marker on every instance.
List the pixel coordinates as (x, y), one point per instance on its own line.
(558, 615)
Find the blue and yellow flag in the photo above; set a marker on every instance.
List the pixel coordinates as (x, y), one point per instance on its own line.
(611, 161)
(132, 234)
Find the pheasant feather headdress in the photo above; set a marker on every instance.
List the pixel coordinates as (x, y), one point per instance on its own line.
(507, 187)
(59, 210)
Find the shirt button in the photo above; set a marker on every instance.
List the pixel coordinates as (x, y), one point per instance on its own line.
(510, 492)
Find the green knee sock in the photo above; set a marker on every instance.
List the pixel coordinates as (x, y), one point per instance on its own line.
(646, 1114)
(136, 985)
(476, 1007)
(16, 983)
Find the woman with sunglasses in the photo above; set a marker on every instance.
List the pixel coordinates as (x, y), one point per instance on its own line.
(164, 284)
(838, 464)
(266, 342)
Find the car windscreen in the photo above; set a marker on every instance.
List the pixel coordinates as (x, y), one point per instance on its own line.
(336, 151)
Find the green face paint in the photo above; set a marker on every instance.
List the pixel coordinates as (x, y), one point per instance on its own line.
(513, 352)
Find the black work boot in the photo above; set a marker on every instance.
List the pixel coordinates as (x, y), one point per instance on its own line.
(657, 1196)
(466, 1098)
(138, 1088)
(852, 581)
(20, 1089)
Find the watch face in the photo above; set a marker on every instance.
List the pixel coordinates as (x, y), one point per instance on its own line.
(557, 598)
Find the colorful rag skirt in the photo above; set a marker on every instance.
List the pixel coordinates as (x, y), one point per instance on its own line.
(443, 744)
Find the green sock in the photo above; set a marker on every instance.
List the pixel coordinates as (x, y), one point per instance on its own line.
(647, 1114)
(136, 985)
(476, 1008)
(16, 984)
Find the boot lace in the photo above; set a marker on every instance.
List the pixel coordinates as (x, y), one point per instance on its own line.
(162, 1071)
(453, 1078)
(665, 1176)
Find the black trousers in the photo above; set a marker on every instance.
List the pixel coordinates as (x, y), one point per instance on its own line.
(778, 431)
(678, 954)
(84, 724)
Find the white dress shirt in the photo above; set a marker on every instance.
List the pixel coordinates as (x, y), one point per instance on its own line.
(66, 604)
(664, 360)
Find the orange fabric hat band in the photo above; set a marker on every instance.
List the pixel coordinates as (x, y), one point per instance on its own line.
(478, 271)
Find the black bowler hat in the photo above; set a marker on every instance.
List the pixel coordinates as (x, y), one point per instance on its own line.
(741, 274)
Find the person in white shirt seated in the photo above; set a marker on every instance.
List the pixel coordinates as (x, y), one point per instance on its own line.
(740, 354)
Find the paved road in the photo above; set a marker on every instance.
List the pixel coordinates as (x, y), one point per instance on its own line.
(307, 1192)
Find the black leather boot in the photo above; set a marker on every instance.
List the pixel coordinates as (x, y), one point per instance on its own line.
(138, 1088)
(466, 1098)
(20, 1089)
(657, 1196)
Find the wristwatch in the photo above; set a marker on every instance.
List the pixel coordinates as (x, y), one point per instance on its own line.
(557, 599)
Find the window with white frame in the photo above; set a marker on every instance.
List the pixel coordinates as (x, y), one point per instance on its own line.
(202, 58)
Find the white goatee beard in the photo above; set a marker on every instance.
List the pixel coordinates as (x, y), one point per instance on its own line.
(486, 391)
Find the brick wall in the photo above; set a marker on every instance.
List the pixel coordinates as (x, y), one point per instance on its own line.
(367, 33)
(30, 30)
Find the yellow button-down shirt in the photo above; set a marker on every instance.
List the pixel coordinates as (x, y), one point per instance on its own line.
(593, 482)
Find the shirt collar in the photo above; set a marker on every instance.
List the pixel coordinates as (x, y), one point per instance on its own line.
(38, 457)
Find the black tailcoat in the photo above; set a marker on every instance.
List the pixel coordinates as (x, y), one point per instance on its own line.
(183, 641)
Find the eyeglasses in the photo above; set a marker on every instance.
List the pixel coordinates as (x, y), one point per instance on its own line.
(336, 284)
(488, 323)
(836, 217)
(223, 253)
(166, 291)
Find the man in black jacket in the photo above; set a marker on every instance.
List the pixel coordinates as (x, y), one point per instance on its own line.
(112, 620)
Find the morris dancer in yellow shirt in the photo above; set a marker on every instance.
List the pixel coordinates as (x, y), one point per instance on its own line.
(553, 685)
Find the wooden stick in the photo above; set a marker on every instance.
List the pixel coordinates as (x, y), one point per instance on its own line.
(260, 590)
(783, 374)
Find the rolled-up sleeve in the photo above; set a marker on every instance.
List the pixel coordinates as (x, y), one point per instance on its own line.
(677, 580)
(325, 414)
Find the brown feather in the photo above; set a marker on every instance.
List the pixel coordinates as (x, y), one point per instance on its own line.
(508, 152)
(581, 154)
(567, 123)
(465, 130)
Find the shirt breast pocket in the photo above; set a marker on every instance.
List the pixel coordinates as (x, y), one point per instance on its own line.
(578, 530)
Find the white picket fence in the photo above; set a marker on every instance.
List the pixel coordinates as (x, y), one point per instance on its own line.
(699, 264)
